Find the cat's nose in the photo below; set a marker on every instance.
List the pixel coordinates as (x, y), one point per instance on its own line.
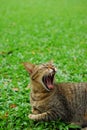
(54, 70)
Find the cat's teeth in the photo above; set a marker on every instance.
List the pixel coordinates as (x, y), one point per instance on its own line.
(55, 69)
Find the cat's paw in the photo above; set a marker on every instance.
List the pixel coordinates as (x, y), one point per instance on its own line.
(34, 117)
(31, 116)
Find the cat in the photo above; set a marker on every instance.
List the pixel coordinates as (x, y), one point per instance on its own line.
(50, 100)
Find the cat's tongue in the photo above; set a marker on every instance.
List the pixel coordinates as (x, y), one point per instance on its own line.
(49, 84)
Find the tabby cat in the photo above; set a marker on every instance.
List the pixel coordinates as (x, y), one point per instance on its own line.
(51, 101)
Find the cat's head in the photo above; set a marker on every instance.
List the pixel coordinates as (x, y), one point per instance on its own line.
(42, 74)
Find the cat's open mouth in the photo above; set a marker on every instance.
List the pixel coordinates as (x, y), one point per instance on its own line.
(48, 81)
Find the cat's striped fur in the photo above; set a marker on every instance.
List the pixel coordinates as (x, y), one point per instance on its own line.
(51, 101)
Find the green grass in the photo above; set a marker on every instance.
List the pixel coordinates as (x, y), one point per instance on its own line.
(38, 31)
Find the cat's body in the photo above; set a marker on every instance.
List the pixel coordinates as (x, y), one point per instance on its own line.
(67, 101)
(51, 101)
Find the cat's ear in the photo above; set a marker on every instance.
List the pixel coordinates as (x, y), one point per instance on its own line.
(29, 67)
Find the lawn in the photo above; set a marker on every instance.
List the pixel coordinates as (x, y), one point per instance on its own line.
(38, 31)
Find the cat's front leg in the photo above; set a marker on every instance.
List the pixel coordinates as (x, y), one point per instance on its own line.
(35, 111)
(46, 116)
